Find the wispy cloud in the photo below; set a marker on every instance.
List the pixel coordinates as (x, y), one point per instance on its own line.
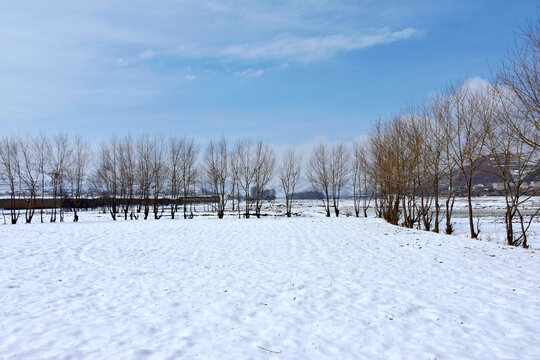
(294, 48)
(311, 48)
(250, 73)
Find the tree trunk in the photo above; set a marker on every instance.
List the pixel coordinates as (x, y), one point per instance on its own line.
(474, 234)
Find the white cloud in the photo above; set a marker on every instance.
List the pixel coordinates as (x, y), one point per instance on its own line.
(122, 62)
(146, 55)
(476, 84)
(250, 73)
(190, 77)
(288, 47)
(143, 56)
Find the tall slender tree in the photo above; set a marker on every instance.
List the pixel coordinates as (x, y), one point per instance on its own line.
(289, 175)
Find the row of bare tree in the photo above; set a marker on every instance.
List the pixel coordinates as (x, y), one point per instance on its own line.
(31, 166)
(242, 171)
(332, 168)
(136, 175)
(401, 167)
(140, 176)
(444, 142)
(248, 168)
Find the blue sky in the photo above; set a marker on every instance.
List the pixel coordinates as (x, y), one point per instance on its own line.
(284, 71)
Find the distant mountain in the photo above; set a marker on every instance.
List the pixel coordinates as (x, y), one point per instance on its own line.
(486, 178)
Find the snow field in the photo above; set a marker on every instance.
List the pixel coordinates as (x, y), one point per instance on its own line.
(307, 288)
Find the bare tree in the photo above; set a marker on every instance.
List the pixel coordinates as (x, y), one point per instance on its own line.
(339, 171)
(217, 171)
(144, 147)
(265, 163)
(361, 183)
(29, 176)
(421, 165)
(470, 107)
(159, 173)
(107, 174)
(516, 160)
(190, 172)
(10, 171)
(235, 177)
(176, 146)
(519, 73)
(436, 114)
(442, 110)
(77, 172)
(319, 173)
(387, 167)
(356, 173)
(127, 172)
(407, 129)
(42, 150)
(246, 169)
(289, 174)
(58, 165)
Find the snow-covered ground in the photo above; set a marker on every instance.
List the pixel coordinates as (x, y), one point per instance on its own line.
(305, 288)
(488, 213)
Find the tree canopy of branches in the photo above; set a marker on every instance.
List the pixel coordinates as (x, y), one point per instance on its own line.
(319, 173)
(263, 172)
(289, 174)
(217, 171)
(519, 74)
